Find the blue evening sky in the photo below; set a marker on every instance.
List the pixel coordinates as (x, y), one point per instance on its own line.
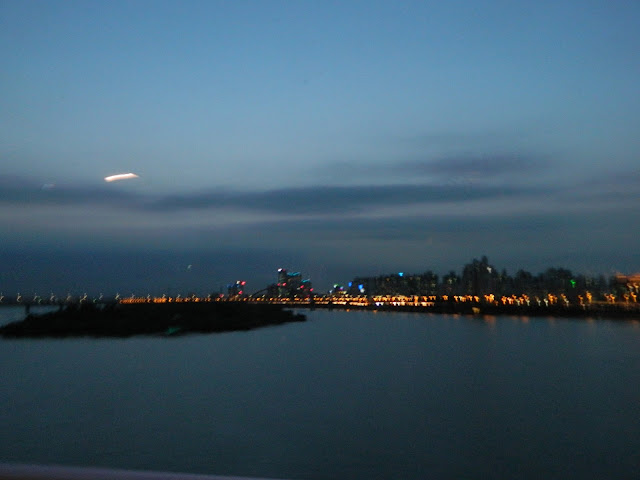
(336, 138)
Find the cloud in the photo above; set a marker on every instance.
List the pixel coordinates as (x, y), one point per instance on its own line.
(620, 187)
(294, 200)
(411, 226)
(332, 199)
(623, 179)
(328, 247)
(476, 165)
(328, 250)
(495, 167)
(23, 191)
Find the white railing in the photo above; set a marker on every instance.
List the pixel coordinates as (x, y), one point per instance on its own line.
(56, 472)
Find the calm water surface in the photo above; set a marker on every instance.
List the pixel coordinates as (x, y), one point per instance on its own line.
(344, 395)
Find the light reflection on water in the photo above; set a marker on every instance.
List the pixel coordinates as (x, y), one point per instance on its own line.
(344, 395)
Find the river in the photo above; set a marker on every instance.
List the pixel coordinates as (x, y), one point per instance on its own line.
(345, 395)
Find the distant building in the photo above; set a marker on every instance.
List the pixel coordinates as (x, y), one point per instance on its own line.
(339, 290)
(236, 289)
(479, 277)
(292, 284)
(395, 284)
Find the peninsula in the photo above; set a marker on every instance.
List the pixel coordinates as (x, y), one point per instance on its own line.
(126, 320)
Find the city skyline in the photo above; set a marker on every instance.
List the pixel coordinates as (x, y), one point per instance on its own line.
(337, 139)
(460, 280)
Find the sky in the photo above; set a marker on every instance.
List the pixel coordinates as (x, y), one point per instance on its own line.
(338, 139)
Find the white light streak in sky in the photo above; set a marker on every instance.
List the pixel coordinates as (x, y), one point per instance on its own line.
(120, 176)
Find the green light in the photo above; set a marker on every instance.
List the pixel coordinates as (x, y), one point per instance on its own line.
(573, 283)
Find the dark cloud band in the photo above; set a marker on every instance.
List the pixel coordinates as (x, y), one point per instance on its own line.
(303, 200)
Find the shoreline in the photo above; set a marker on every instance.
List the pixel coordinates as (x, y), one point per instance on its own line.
(172, 319)
(610, 312)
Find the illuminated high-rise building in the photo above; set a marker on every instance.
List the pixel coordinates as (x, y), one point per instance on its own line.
(292, 284)
(237, 288)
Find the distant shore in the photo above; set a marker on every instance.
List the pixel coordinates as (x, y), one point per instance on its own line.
(88, 320)
(612, 311)
(169, 319)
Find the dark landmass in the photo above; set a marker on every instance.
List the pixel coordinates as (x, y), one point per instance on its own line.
(118, 320)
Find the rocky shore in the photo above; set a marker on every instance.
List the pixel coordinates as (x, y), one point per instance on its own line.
(88, 320)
